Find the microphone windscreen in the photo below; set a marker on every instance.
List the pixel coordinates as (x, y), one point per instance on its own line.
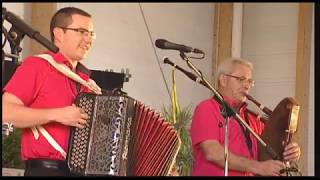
(160, 43)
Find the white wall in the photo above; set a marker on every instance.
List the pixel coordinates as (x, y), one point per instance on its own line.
(123, 41)
(269, 41)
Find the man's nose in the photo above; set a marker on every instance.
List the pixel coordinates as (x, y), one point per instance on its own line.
(246, 84)
(88, 38)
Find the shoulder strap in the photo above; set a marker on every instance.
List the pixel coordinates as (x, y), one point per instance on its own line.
(50, 139)
(35, 130)
(67, 72)
(247, 133)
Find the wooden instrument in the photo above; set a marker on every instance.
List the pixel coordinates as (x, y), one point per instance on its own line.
(279, 129)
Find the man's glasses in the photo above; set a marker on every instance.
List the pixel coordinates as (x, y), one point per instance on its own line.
(82, 31)
(242, 79)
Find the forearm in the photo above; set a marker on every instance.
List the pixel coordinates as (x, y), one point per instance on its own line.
(23, 117)
(215, 153)
(243, 164)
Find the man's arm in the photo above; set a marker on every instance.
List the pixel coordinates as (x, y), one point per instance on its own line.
(14, 111)
(214, 152)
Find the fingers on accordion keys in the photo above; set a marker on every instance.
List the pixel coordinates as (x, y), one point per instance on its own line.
(82, 111)
(79, 125)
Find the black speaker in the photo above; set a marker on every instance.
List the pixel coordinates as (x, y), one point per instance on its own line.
(108, 80)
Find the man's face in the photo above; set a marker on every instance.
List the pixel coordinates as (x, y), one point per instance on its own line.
(237, 83)
(74, 44)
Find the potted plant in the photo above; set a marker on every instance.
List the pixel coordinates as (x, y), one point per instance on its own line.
(181, 124)
(11, 150)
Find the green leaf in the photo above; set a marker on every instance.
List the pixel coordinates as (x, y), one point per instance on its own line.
(11, 150)
(183, 118)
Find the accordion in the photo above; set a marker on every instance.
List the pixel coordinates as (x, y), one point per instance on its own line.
(122, 137)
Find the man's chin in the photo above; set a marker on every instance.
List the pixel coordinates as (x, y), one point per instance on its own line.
(81, 57)
(241, 99)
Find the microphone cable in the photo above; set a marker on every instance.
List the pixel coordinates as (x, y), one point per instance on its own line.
(155, 52)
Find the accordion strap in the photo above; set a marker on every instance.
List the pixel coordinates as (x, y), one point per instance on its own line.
(49, 138)
(67, 72)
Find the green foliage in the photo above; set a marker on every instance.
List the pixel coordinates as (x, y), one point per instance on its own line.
(11, 150)
(184, 158)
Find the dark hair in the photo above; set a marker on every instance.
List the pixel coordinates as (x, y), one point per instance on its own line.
(63, 18)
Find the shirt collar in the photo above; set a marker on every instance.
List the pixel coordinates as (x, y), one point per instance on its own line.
(60, 58)
(233, 103)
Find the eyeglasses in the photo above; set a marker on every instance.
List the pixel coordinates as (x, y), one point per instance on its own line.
(82, 31)
(242, 79)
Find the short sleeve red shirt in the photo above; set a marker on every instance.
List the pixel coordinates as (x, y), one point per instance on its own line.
(39, 85)
(208, 123)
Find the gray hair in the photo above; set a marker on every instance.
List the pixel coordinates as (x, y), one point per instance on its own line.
(225, 67)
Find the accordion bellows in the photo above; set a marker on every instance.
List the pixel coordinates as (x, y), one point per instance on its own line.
(122, 137)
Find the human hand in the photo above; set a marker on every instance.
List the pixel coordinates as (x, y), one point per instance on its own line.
(292, 152)
(174, 171)
(72, 116)
(269, 168)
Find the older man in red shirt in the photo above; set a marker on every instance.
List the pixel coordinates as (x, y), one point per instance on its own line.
(208, 130)
(38, 94)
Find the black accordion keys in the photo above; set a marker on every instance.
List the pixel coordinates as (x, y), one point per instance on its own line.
(122, 137)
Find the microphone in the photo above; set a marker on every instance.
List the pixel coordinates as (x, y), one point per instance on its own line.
(189, 74)
(164, 44)
(24, 28)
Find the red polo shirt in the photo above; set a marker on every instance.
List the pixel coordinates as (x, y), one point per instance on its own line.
(207, 123)
(39, 85)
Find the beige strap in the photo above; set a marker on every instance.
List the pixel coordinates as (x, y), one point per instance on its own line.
(52, 141)
(35, 132)
(66, 71)
(49, 138)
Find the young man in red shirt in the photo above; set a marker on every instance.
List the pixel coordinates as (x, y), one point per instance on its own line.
(38, 94)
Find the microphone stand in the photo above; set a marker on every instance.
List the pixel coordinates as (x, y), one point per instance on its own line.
(14, 37)
(227, 112)
(25, 29)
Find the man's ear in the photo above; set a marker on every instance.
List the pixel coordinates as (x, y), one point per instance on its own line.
(223, 80)
(58, 34)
